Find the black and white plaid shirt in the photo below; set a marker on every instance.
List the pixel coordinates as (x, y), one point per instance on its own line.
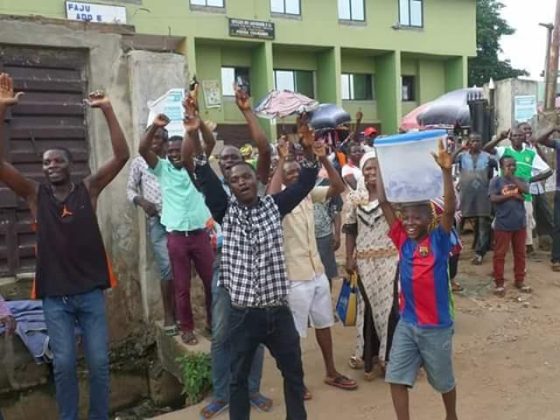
(252, 269)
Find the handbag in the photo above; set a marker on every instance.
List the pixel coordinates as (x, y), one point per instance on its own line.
(347, 303)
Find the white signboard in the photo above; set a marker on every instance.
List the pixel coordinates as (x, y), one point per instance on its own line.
(170, 104)
(525, 108)
(98, 13)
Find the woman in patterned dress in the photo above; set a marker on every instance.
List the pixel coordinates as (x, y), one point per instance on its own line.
(370, 251)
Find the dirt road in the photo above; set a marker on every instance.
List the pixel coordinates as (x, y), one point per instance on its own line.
(507, 359)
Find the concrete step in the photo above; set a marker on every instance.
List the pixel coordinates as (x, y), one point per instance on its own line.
(171, 348)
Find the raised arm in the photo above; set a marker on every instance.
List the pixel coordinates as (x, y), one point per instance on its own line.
(257, 134)
(445, 161)
(191, 147)
(545, 139)
(208, 138)
(98, 180)
(386, 207)
(490, 147)
(353, 134)
(289, 198)
(145, 147)
(336, 185)
(542, 168)
(22, 186)
(275, 185)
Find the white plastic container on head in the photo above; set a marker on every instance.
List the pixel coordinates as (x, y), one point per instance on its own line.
(409, 171)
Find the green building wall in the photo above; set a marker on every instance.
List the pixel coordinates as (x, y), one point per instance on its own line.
(435, 54)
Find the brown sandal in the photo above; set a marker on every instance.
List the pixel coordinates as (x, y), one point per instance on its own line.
(189, 338)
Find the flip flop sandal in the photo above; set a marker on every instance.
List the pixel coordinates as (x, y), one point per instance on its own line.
(261, 403)
(342, 382)
(370, 376)
(355, 362)
(170, 330)
(500, 291)
(456, 287)
(189, 338)
(523, 288)
(213, 409)
(307, 395)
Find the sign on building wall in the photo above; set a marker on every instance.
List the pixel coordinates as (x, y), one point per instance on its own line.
(99, 13)
(251, 29)
(212, 93)
(170, 104)
(525, 107)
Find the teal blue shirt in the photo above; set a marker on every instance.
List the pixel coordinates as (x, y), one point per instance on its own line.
(183, 206)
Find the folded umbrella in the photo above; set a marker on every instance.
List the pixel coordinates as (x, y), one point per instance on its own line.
(283, 103)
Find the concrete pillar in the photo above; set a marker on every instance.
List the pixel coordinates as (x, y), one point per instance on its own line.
(456, 73)
(388, 90)
(150, 76)
(328, 79)
(262, 78)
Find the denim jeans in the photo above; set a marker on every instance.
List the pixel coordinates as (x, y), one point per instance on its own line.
(274, 327)
(62, 315)
(483, 227)
(158, 239)
(220, 349)
(555, 257)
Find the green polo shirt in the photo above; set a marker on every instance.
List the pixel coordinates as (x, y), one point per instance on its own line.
(528, 163)
(183, 206)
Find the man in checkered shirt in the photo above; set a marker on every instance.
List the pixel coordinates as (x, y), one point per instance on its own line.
(254, 274)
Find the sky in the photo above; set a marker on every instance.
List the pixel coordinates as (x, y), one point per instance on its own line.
(527, 47)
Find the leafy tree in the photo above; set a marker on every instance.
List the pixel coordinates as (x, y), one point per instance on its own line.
(490, 27)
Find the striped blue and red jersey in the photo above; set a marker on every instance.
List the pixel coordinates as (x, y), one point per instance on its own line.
(425, 298)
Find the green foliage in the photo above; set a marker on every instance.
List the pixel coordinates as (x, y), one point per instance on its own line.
(196, 369)
(490, 26)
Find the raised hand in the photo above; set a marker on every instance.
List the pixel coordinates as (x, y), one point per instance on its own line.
(359, 116)
(242, 99)
(443, 158)
(98, 99)
(319, 148)
(161, 120)
(283, 148)
(193, 92)
(191, 122)
(7, 96)
(504, 134)
(305, 132)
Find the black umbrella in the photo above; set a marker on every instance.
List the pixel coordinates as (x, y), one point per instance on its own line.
(328, 116)
(450, 109)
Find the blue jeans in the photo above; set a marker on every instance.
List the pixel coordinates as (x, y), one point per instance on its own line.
(414, 347)
(62, 315)
(274, 327)
(158, 238)
(221, 347)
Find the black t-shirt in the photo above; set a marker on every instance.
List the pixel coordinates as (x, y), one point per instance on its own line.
(71, 256)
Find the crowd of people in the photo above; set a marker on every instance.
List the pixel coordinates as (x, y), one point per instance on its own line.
(262, 235)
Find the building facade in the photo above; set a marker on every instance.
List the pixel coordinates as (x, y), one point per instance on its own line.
(383, 57)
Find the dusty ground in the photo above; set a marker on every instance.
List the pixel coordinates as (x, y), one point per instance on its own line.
(507, 359)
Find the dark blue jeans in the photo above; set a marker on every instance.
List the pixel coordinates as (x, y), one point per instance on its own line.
(221, 347)
(62, 314)
(275, 328)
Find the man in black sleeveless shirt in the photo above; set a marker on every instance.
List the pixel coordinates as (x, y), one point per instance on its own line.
(72, 268)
